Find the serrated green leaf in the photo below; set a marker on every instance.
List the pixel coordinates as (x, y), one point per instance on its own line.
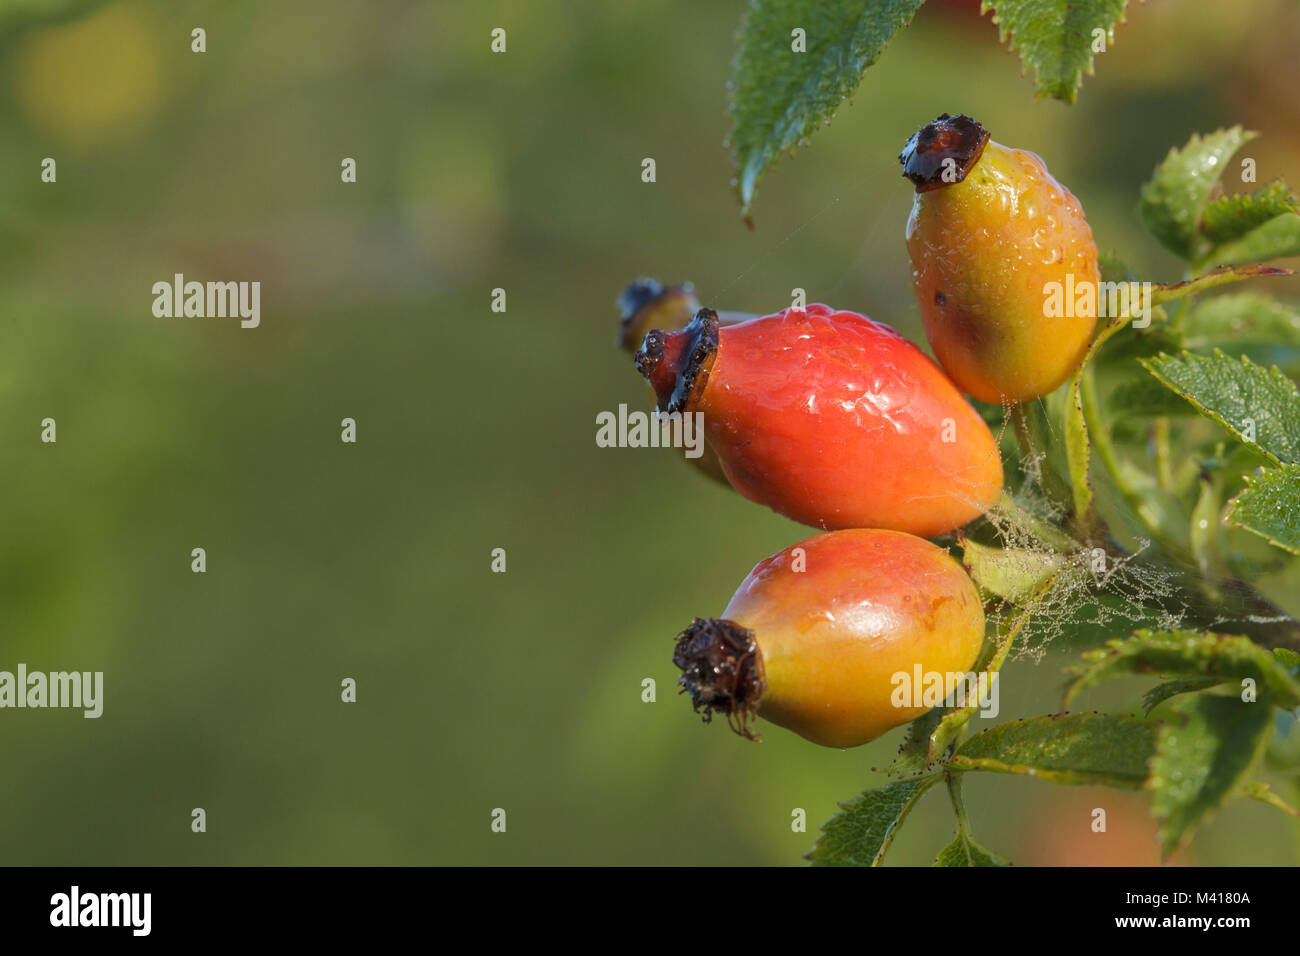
(1173, 201)
(1289, 659)
(1186, 685)
(1185, 654)
(1240, 317)
(1012, 574)
(779, 97)
(861, 833)
(964, 851)
(1084, 749)
(1231, 217)
(1275, 239)
(1203, 755)
(1269, 506)
(1054, 37)
(1260, 406)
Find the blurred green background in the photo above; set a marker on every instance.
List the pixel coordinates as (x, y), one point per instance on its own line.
(475, 429)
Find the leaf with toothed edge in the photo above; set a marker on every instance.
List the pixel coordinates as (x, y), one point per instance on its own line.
(1081, 749)
(1055, 37)
(779, 96)
(1174, 199)
(964, 851)
(1260, 406)
(1232, 217)
(1277, 238)
(1252, 227)
(1203, 756)
(1185, 654)
(861, 833)
(1269, 506)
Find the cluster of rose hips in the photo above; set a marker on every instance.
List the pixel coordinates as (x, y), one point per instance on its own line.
(838, 422)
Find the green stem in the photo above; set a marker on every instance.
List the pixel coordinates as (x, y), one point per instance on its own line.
(1024, 435)
(1262, 793)
(1164, 468)
(1109, 458)
(958, 803)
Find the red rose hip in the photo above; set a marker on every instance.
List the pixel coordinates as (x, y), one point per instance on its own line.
(830, 419)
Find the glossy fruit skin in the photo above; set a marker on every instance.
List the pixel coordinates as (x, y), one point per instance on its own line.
(870, 604)
(982, 251)
(830, 419)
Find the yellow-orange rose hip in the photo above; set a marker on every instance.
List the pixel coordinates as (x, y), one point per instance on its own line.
(992, 236)
(815, 636)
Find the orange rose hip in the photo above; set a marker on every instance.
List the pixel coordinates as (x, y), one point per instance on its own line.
(814, 637)
(989, 234)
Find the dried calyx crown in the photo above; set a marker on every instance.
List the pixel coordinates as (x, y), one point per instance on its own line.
(722, 671)
(926, 156)
(677, 363)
